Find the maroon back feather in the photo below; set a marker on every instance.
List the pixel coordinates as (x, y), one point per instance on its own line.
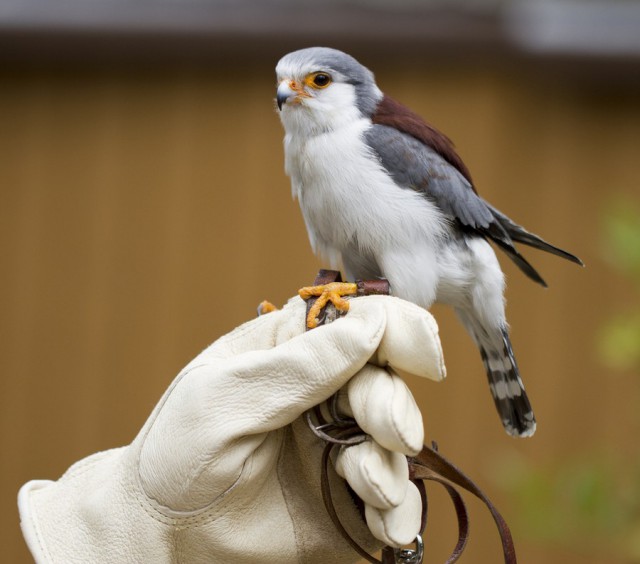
(394, 114)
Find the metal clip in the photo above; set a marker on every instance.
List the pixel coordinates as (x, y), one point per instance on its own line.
(410, 556)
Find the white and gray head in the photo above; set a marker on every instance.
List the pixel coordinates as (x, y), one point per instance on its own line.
(320, 89)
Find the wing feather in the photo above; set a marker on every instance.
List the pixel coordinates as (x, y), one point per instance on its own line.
(419, 157)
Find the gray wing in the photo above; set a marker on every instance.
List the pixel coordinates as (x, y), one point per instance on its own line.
(414, 165)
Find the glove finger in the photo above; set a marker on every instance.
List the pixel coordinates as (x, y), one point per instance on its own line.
(378, 476)
(384, 408)
(410, 342)
(399, 525)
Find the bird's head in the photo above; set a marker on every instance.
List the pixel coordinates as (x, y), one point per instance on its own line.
(321, 89)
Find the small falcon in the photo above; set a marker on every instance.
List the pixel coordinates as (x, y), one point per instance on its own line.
(384, 194)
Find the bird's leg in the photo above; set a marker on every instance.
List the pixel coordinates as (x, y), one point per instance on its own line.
(326, 293)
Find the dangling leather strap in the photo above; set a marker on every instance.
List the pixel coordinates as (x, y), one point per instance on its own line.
(431, 465)
(428, 465)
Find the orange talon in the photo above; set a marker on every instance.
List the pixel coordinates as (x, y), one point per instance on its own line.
(326, 293)
(265, 307)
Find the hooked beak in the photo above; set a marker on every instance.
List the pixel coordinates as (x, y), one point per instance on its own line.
(289, 89)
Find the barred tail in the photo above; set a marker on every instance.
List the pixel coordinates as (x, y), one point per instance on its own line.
(507, 389)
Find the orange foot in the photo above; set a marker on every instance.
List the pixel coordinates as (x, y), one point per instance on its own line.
(265, 307)
(326, 293)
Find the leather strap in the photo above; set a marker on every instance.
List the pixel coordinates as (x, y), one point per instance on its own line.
(431, 465)
(428, 465)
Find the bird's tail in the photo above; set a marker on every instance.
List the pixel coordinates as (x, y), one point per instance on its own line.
(507, 389)
(505, 383)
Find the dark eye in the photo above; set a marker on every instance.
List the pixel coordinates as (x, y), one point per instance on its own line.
(319, 80)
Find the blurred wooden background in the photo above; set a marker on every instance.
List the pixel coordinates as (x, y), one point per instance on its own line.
(144, 213)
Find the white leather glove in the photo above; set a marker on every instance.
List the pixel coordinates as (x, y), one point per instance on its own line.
(226, 469)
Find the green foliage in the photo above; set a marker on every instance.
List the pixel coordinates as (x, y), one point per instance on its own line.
(622, 238)
(619, 340)
(588, 504)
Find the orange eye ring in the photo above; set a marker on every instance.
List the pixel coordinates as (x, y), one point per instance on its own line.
(318, 80)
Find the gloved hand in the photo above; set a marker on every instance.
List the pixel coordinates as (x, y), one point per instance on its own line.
(226, 469)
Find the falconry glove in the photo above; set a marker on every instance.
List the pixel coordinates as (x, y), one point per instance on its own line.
(226, 468)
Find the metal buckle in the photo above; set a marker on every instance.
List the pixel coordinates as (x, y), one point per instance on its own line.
(410, 556)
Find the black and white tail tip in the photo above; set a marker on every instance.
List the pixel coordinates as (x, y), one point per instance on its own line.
(508, 391)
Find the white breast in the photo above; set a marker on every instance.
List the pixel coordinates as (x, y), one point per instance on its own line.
(346, 195)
